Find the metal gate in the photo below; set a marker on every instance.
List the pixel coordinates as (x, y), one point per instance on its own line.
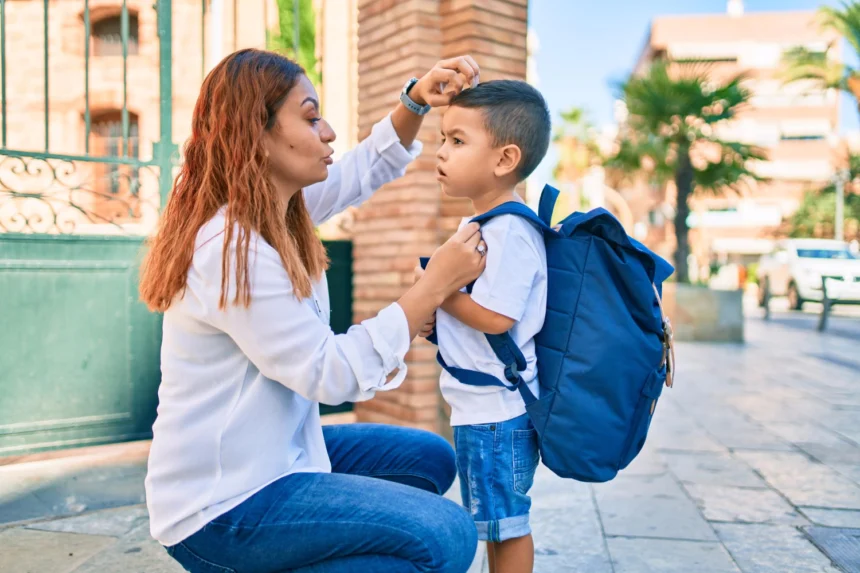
(83, 175)
(79, 354)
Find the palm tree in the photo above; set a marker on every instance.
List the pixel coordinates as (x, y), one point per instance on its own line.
(803, 64)
(283, 40)
(675, 111)
(816, 215)
(577, 146)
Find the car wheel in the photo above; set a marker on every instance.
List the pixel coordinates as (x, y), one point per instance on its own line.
(794, 300)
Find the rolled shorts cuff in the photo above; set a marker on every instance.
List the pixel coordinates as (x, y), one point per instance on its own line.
(503, 529)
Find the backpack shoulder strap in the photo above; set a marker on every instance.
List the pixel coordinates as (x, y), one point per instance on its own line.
(541, 219)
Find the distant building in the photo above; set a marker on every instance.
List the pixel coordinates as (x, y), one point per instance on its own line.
(796, 124)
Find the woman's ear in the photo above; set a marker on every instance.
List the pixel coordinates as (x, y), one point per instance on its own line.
(509, 160)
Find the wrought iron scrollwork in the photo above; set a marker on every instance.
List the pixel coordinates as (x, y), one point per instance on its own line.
(58, 195)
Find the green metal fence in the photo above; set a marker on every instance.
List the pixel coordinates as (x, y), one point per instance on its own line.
(80, 354)
(80, 358)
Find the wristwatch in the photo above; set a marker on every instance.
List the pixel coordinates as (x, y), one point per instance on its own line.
(407, 101)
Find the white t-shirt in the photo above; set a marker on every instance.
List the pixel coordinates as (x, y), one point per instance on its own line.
(514, 285)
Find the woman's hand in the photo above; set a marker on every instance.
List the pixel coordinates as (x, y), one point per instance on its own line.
(454, 265)
(459, 261)
(428, 327)
(445, 80)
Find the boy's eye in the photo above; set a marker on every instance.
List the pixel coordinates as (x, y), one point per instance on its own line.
(457, 141)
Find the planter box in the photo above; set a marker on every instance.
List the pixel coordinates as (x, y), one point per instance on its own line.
(701, 314)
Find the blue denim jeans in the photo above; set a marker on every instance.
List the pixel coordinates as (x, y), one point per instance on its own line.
(380, 510)
(497, 464)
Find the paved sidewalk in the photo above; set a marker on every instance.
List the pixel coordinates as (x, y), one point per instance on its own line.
(752, 454)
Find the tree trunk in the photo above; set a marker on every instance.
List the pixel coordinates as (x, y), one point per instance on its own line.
(684, 184)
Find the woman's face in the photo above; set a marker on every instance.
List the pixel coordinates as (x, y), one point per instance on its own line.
(298, 143)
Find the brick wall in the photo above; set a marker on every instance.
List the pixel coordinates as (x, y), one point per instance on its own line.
(409, 217)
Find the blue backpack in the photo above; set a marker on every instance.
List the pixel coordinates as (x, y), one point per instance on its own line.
(605, 350)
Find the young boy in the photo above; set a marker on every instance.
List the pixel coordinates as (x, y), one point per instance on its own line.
(494, 135)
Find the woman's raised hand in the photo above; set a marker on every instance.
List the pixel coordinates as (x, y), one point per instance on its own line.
(445, 80)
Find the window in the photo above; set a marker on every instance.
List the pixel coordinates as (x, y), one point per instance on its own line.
(841, 254)
(115, 196)
(785, 137)
(708, 60)
(107, 35)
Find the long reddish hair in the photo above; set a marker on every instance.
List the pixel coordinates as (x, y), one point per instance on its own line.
(225, 164)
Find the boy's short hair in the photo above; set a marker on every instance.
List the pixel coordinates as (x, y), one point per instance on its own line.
(514, 113)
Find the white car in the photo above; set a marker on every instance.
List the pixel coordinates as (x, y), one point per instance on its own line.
(796, 267)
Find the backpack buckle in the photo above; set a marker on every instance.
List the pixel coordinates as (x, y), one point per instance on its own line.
(668, 359)
(512, 375)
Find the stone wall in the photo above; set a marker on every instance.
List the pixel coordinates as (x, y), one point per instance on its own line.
(704, 315)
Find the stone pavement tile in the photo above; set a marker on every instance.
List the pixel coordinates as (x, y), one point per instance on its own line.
(832, 517)
(552, 492)
(100, 489)
(135, 552)
(649, 462)
(813, 409)
(566, 526)
(734, 430)
(26, 551)
(569, 539)
(851, 471)
(800, 432)
(113, 522)
(636, 555)
(804, 482)
(763, 408)
(772, 549)
(650, 506)
(842, 421)
(744, 505)
(680, 433)
(22, 508)
(844, 453)
(712, 469)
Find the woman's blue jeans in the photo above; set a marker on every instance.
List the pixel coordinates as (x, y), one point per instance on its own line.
(380, 511)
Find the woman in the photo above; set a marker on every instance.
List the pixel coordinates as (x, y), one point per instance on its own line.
(242, 477)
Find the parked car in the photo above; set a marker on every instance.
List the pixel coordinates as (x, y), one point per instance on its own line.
(796, 266)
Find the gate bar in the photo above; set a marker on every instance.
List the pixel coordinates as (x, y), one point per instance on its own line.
(125, 78)
(203, 41)
(3, 64)
(87, 118)
(45, 29)
(163, 149)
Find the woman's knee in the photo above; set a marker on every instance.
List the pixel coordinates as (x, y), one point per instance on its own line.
(450, 539)
(441, 463)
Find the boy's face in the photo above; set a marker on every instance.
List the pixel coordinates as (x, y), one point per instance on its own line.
(466, 161)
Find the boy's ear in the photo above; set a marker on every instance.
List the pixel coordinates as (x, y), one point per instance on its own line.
(509, 160)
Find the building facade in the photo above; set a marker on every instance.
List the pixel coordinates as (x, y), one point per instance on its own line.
(796, 125)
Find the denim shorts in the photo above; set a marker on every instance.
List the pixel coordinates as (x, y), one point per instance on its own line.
(496, 464)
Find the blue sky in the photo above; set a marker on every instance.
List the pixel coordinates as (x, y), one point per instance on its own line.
(588, 45)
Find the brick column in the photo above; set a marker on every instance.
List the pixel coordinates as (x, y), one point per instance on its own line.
(409, 217)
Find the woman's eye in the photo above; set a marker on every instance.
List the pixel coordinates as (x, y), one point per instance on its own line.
(314, 120)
